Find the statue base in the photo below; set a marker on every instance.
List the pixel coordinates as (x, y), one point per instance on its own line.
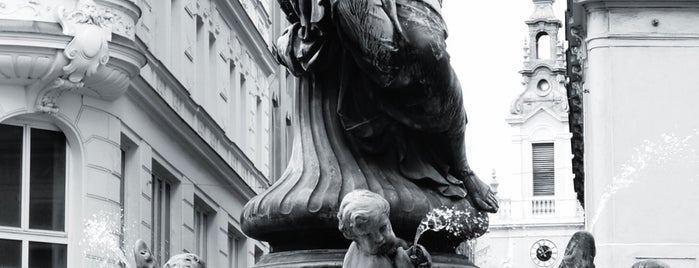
(332, 258)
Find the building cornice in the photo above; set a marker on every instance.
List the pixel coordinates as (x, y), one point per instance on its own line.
(535, 66)
(143, 94)
(185, 109)
(521, 119)
(250, 35)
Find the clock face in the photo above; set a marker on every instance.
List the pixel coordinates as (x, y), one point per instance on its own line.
(544, 253)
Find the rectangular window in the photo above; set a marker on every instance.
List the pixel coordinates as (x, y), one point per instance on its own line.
(10, 175)
(232, 97)
(243, 116)
(201, 219)
(33, 178)
(543, 169)
(236, 247)
(201, 59)
(47, 180)
(161, 218)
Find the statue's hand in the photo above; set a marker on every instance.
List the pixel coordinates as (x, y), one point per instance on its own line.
(419, 256)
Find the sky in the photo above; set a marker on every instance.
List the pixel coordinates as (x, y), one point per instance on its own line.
(485, 43)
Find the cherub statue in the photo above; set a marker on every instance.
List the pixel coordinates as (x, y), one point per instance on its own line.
(144, 258)
(650, 264)
(363, 218)
(184, 260)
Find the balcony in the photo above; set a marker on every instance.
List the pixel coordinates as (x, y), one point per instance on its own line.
(538, 210)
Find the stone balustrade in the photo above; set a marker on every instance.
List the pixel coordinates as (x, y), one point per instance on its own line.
(538, 208)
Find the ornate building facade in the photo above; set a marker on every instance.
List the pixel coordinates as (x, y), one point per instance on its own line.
(538, 210)
(142, 119)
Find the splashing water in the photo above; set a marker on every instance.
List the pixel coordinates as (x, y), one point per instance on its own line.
(444, 218)
(670, 147)
(102, 239)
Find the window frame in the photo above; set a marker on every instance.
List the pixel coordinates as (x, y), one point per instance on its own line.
(203, 206)
(236, 246)
(162, 249)
(24, 233)
(552, 171)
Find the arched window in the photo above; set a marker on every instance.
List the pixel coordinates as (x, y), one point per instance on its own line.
(543, 46)
(33, 174)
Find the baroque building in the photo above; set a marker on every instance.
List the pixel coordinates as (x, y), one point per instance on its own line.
(538, 210)
(148, 119)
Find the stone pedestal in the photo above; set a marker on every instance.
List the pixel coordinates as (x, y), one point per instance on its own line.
(333, 259)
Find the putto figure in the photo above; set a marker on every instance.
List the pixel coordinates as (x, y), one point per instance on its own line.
(363, 218)
(144, 258)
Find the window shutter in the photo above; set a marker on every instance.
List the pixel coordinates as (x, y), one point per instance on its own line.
(543, 168)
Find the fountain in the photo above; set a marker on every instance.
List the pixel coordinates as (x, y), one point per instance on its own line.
(377, 110)
(104, 236)
(648, 153)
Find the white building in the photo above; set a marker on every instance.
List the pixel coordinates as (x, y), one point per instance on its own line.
(173, 112)
(538, 209)
(633, 69)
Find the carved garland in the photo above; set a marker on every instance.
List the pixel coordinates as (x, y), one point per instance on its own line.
(576, 57)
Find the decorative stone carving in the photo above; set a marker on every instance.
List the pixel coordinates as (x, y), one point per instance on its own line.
(46, 102)
(579, 51)
(143, 255)
(184, 260)
(92, 30)
(144, 258)
(576, 57)
(650, 264)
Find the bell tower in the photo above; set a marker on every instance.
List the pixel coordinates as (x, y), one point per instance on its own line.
(543, 34)
(543, 70)
(539, 120)
(538, 209)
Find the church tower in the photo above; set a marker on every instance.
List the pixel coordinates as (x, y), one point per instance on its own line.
(538, 210)
(543, 71)
(539, 115)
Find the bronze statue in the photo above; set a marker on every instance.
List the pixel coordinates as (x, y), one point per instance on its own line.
(580, 252)
(410, 80)
(380, 108)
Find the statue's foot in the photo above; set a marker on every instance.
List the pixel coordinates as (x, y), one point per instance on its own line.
(481, 194)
